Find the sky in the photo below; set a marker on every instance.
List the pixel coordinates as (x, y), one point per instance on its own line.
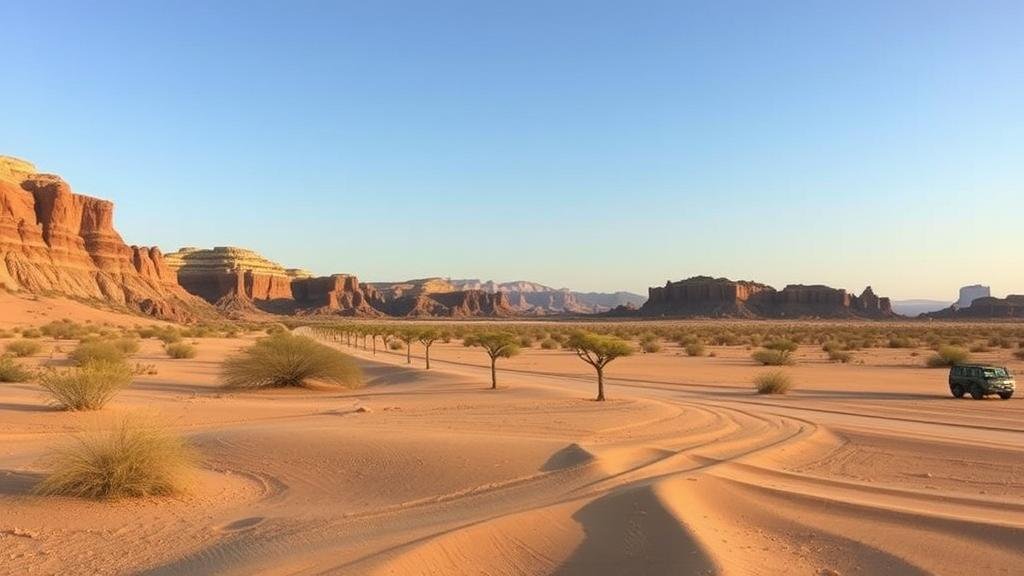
(581, 143)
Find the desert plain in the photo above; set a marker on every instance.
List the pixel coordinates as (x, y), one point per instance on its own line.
(865, 467)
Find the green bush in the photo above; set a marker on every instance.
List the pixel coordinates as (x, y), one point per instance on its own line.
(180, 350)
(695, 349)
(11, 371)
(948, 356)
(31, 333)
(286, 360)
(773, 357)
(23, 348)
(97, 351)
(395, 344)
(135, 459)
(526, 342)
(775, 382)
(89, 387)
(549, 344)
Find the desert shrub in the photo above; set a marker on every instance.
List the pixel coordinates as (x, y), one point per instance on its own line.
(180, 350)
(979, 348)
(96, 351)
(650, 346)
(831, 346)
(144, 369)
(133, 460)
(395, 344)
(276, 328)
(63, 330)
(31, 333)
(900, 342)
(287, 360)
(773, 357)
(782, 345)
(775, 382)
(549, 344)
(11, 371)
(840, 356)
(169, 336)
(89, 387)
(695, 349)
(126, 345)
(948, 356)
(23, 348)
(526, 341)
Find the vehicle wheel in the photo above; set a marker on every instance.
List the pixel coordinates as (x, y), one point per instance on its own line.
(957, 390)
(1006, 395)
(976, 392)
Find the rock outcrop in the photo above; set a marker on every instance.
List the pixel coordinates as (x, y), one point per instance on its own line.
(703, 296)
(985, 308)
(968, 294)
(531, 298)
(241, 280)
(428, 297)
(53, 241)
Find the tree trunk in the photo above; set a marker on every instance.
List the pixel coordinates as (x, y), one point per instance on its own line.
(494, 375)
(426, 352)
(374, 345)
(600, 385)
(408, 352)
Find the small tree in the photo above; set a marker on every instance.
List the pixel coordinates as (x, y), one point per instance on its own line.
(427, 337)
(497, 345)
(407, 336)
(598, 350)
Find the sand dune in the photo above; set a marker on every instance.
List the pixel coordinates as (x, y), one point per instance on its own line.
(863, 470)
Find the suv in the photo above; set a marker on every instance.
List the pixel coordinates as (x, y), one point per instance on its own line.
(979, 380)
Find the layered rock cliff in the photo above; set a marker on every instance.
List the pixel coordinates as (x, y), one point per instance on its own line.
(241, 280)
(720, 297)
(54, 241)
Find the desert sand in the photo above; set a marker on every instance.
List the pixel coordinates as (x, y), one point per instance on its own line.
(865, 468)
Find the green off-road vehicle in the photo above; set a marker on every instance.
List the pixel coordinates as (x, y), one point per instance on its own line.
(979, 381)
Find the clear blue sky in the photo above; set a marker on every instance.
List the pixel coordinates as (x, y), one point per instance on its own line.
(590, 144)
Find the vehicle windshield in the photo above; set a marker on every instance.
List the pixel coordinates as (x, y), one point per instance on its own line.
(995, 373)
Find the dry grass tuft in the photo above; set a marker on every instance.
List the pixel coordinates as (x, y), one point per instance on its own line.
(133, 460)
(285, 360)
(773, 357)
(11, 371)
(88, 387)
(775, 382)
(180, 350)
(23, 348)
(948, 356)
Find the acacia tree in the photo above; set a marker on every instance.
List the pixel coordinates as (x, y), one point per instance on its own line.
(427, 337)
(598, 350)
(407, 336)
(497, 345)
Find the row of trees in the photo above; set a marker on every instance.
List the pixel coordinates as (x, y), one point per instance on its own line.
(597, 350)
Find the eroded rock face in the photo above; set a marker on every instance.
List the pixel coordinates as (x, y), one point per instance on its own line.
(720, 297)
(985, 307)
(531, 298)
(55, 241)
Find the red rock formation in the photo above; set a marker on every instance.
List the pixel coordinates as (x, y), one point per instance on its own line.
(55, 241)
(458, 304)
(986, 307)
(705, 296)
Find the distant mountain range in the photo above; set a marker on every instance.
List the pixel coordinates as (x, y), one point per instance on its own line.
(913, 308)
(533, 298)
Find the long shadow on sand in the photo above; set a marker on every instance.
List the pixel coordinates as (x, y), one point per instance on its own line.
(41, 407)
(17, 483)
(631, 532)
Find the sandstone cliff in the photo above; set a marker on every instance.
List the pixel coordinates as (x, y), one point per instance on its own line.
(55, 241)
(720, 297)
(241, 281)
